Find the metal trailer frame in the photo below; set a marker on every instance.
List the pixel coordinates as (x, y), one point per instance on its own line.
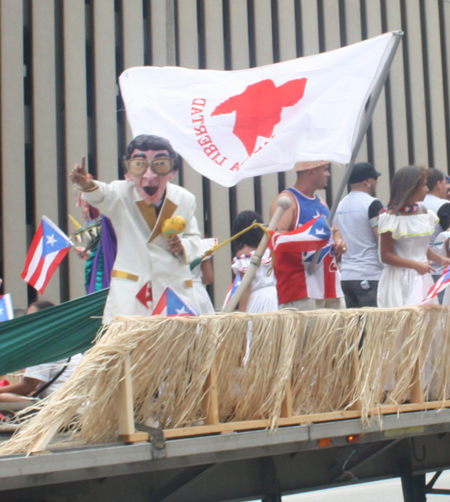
(239, 466)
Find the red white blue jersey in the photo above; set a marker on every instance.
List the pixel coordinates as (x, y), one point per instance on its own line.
(293, 280)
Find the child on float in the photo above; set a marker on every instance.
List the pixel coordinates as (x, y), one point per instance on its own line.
(261, 295)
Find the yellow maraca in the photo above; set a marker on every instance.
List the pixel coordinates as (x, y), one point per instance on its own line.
(173, 226)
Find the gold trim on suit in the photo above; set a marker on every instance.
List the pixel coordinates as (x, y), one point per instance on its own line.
(124, 275)
(153, 220)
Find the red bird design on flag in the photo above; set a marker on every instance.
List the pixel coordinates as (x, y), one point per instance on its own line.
(258, 109)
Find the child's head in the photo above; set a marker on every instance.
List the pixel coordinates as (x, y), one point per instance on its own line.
(39, 305)
(251, 238)
(408, 186)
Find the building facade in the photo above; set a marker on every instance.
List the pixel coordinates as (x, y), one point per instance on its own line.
(59, 100)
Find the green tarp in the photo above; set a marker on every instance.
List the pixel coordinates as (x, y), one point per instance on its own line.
(51, 334)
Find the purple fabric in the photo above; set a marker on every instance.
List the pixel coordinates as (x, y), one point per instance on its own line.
(109, 248)
(106, 251)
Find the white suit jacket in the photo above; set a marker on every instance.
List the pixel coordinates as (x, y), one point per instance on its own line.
(143, 256)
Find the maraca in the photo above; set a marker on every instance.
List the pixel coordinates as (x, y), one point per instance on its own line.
(173, 226)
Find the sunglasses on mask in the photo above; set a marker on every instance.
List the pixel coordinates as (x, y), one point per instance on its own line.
(160, 166)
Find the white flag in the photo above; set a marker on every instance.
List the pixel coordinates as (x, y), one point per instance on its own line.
(231, 125)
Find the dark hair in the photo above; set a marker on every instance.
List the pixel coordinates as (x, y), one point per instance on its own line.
(404, 183)
(251, 238)
(41, 305)
(433, 177)
(145, 142)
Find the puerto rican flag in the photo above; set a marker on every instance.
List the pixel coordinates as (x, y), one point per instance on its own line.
(48, 248)
(311, 236)
(170, 305)
(236, 283)
(439, 285)
(6, 308)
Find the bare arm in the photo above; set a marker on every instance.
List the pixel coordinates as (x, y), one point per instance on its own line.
(207, 272)
(339, 246)
(437, 258)
(79, 176)
(287, 221)
(375, 233)
(22, 388)
(390, 258)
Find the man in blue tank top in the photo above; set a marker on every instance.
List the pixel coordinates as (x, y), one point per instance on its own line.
(296, 287)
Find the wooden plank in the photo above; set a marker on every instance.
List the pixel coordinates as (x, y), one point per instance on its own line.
(12, 154)
(41, 444)
(286, 405)
(105, 90)
(297, 420)
(417, 392)
(76, 126)
(211, 401)
(354, 374)
(137, 437)
(125, 404)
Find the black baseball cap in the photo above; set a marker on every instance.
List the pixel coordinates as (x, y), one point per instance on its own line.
(362, 171)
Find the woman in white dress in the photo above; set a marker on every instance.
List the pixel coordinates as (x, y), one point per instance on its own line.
(405, 230)
(261, 296)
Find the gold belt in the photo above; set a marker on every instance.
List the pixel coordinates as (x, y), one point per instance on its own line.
(124, 275)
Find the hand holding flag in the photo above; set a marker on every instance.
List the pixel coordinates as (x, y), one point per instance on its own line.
(439, 285)
(48, 248)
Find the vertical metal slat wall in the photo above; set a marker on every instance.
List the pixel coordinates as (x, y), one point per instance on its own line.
(59, 100)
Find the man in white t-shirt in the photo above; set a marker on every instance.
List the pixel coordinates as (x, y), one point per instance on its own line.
(357, 220)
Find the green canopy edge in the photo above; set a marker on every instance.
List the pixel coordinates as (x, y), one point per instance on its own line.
(51, 334)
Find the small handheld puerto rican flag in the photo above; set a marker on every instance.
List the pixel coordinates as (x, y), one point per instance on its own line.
(237, 281)
(170, 305)
(48, 249)
(6, 309)
(439, 285)
(311, 236)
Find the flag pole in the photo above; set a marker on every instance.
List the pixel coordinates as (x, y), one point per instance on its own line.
(362, 132)
(283, 203)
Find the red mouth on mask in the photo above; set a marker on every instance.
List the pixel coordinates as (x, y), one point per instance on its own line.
(150, 191)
